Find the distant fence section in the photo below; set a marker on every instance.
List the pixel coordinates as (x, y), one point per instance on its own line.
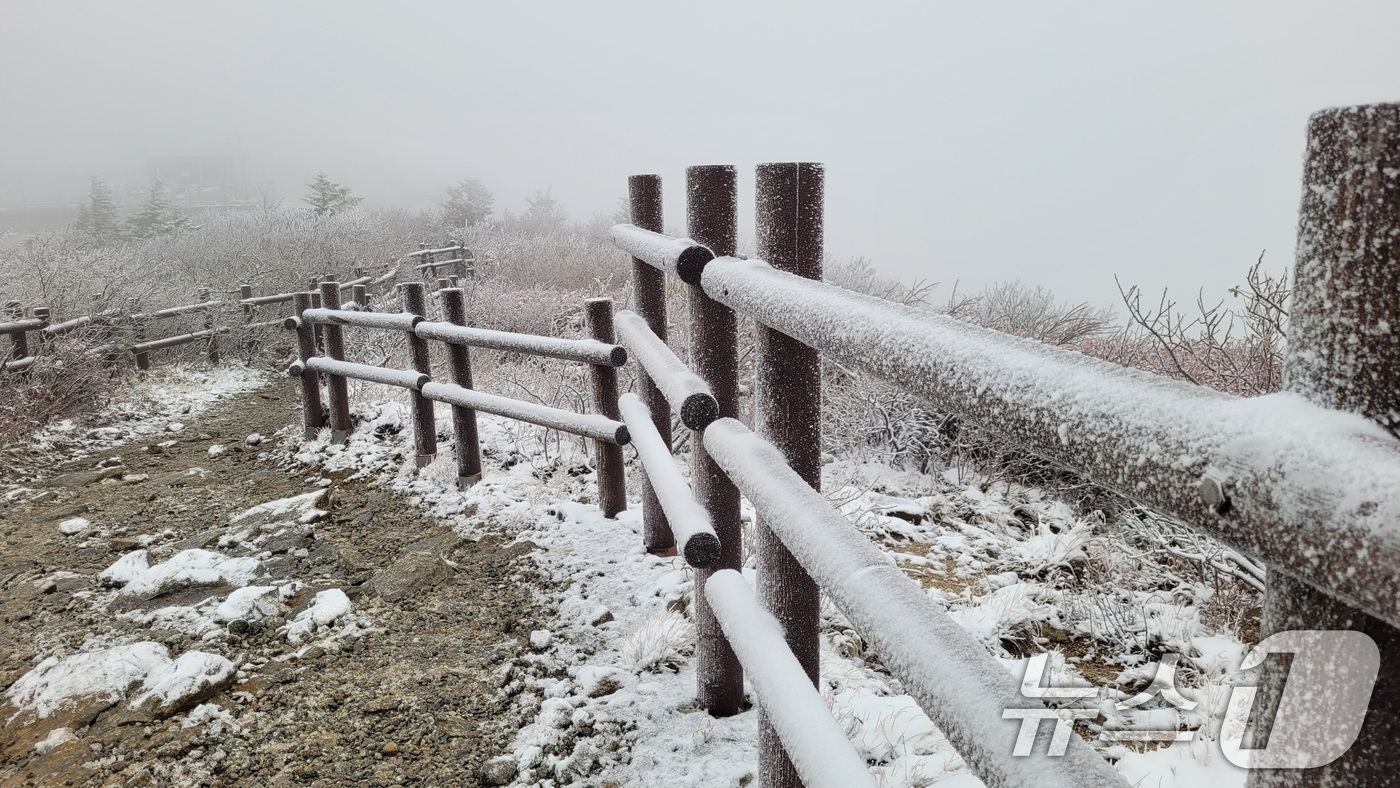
(118, 331)
(325, 359)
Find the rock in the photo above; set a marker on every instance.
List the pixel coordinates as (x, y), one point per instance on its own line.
(135, 478)
(110, 462)
(438, 543)
(380, 705)
(600, 615)
(351, 560)
(287, 541)
(390, 748)
(413, 574)
(83, 478)
(254, 439)
(540, 639)
(499, 770)
(74, 526)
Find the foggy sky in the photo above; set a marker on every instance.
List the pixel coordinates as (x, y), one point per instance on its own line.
(1056, 142)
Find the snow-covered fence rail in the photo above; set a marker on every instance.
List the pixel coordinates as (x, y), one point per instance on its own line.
(1306, 482)
(456, 258)
(605, 428)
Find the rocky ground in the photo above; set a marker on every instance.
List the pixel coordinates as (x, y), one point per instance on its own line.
(409, 688)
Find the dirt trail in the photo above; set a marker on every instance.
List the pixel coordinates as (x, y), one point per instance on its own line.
(414, 701)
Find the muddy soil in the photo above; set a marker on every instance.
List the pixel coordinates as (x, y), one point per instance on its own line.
(414, 701)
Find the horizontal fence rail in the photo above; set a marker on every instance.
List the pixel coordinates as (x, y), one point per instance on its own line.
(588, 425)
(587, 351)
(695, 535)
(819, 748)
(1305, 490)
(688, 394)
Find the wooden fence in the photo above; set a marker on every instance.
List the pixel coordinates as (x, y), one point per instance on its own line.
(1286, 480)
(119, 330)
(598, 351)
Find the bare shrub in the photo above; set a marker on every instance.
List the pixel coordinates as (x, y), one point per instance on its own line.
(1030, 312)
(1238, 350)
(69, 378)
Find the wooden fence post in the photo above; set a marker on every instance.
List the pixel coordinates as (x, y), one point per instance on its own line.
(1344, 353)
(19, 343)
(424, 425)
(316, 330)
(336, 386)
(612, 473)
(454, 308)
(311, 413)
(137, 326)
(649, 299)
(788, 413)
(209, 324)
(245, 292)
(360, 294)
(712, 216)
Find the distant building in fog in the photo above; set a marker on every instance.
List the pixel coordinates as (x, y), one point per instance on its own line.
(209, 181)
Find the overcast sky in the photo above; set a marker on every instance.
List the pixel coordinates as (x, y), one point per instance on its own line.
(1060, 143)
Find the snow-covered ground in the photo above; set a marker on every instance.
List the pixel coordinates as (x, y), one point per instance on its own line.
(163, 399)
(1022, 572)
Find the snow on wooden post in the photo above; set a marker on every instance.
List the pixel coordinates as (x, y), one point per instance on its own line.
(415, 302)
(788, 213)
(360, 294)
(43, 314)
(649, 298)
(245, 292)
(310, 381)
(136, 324)
(712, 218)
(612, 473)
(317, 332)
(212, 352)
(454, 311)
(1344, 353)
(334, 338)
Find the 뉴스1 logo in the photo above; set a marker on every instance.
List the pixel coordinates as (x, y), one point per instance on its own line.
(1320, 713)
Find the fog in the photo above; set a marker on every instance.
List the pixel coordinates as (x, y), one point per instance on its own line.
(1059, 143)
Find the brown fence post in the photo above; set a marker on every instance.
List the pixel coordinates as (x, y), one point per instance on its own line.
(788, 413)
(19, 343)
(424, 426)
(454, 308)
(336, 386)
(312, 420)
(360, 294)
(649, 299)
(138, 331)
(712, 216)
(1344, 353)
(612, 473)
(316, 330)
(209, 323)
(245, 292)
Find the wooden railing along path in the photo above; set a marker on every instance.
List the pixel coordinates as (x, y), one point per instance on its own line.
(1287, 480)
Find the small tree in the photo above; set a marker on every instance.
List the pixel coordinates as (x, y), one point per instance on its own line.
(468, 203)
(545, 214)
(328, 198)
(158, 215)
(98, 218)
